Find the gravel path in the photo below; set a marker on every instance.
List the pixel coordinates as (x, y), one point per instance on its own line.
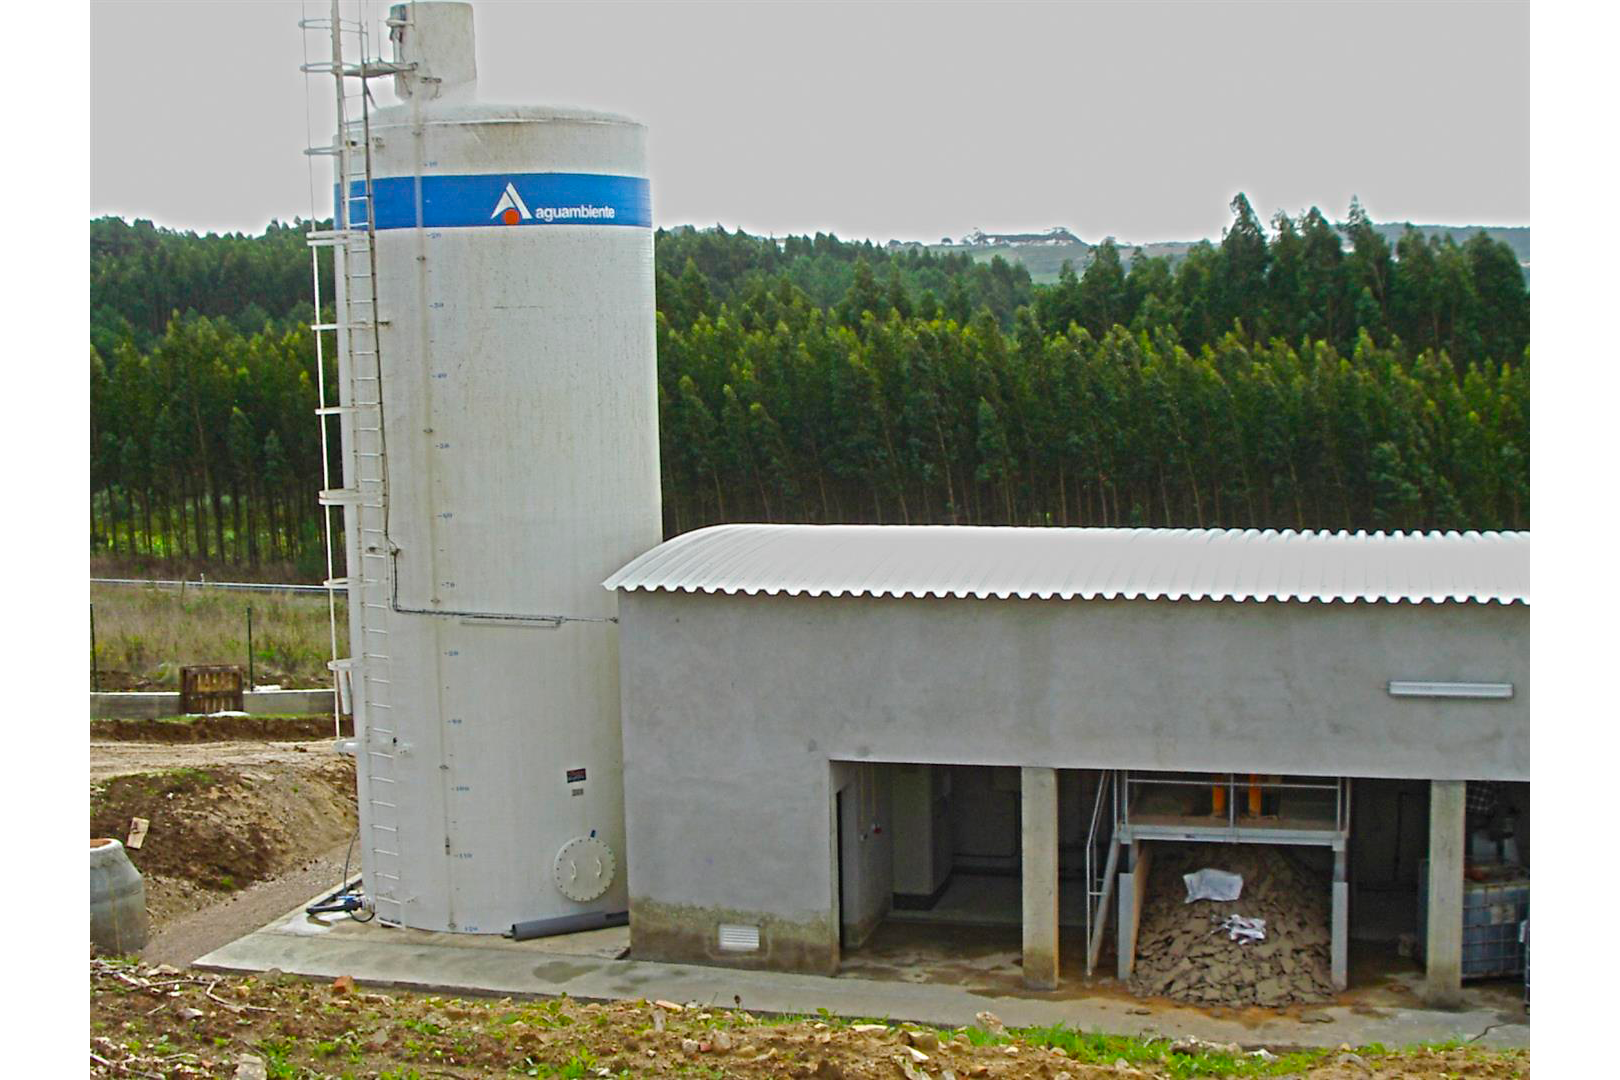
(187, 937)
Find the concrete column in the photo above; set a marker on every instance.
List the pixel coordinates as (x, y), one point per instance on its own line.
(1125, 924)
(1132, 888)
(1447, 840)
(1339, 953)
(1040, 840)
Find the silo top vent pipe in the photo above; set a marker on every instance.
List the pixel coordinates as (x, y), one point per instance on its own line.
(436, 39)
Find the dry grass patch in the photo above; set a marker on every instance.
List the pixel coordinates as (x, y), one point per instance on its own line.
(145, 634)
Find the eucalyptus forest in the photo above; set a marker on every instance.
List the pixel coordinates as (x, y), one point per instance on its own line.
(1296, 374)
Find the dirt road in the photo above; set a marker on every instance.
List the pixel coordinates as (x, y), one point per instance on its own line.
(122, 758)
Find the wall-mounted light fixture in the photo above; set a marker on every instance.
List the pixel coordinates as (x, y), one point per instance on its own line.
(1487, 690)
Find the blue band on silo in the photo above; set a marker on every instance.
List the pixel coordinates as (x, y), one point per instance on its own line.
(501, 199)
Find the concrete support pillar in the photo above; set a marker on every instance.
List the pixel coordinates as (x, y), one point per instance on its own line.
(1040, 845)
(1132, 888)
(1339, 953)
(1447, 840)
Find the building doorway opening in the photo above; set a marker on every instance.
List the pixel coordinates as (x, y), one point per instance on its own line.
(937, 854)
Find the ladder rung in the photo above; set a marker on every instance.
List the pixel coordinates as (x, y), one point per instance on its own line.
(345, 497)
(371, 69)
(325, 237)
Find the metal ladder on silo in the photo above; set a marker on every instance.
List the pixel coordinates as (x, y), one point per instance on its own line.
(355, 324)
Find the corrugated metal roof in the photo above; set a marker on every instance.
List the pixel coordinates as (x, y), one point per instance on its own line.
(1150, 564)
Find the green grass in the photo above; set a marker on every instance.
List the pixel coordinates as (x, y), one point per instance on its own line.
(1088, 1048)
(144, 635)
(172, 781)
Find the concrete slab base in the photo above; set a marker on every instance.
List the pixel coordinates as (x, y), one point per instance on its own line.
(588, 967)
(154, 704)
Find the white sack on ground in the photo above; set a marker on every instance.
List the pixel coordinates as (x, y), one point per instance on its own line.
(1208, 884)
(1244, 929)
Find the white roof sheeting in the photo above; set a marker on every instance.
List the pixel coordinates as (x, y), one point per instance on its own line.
(1148, 564)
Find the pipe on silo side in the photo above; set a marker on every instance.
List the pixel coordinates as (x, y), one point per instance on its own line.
(567, 924)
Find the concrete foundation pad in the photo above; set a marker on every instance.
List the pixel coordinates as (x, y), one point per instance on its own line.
(586, 966)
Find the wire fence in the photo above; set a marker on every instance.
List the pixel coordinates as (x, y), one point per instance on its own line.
(204, 583)
(144, 630)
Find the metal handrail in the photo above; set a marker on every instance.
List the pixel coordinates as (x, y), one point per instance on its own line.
(1340, 786)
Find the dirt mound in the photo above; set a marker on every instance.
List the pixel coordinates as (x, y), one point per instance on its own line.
(214, 830)
(109, 681)
(1183, 954)
(216, 728)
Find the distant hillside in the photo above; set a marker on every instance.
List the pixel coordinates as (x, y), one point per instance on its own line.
(1516, 237)
(1043, 254)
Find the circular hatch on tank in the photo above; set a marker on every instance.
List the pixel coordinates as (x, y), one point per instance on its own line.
(584, 869)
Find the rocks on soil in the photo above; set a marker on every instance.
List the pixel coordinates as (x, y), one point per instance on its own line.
(1181, 953)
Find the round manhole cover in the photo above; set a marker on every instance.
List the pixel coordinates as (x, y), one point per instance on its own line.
(584, 869)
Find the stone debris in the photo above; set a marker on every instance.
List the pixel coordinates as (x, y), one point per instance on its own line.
(910, 1071)
(250, 1067)
(1192, 1044)
(989, 1021)
(1186, 952)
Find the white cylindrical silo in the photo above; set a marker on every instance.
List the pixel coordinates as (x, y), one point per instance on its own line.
(501, 459)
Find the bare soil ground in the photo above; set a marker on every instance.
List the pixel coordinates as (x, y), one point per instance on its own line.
(220, 727)
(225, 816)
(166, 1023)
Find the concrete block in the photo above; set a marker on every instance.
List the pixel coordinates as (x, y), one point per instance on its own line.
(151, 705)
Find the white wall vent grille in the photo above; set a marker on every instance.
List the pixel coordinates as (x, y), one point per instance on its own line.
(737, 938)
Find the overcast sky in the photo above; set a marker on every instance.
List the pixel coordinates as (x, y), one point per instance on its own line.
(1136, 120)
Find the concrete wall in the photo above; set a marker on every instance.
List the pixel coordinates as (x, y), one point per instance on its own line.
(920, 829)
(866, 874)
(984, 819)
(735, 709)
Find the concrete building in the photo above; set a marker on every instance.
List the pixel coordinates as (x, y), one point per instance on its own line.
(827, 726)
